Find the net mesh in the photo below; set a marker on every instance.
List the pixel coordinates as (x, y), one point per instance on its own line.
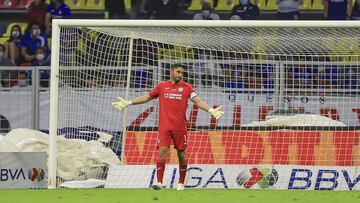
(263, 77)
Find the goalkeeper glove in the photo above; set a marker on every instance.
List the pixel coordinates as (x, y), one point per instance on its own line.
(217, 113)
(121, 104)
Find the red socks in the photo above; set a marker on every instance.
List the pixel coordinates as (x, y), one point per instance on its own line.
(182, 168)
(160, 168)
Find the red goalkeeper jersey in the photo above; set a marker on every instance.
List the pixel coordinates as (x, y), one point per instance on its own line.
(173, 101)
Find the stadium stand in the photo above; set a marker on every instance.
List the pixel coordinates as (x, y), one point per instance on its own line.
(95, 4)
(223, 5)
(15, 4)
(268, 5)
(128, 5)
(197, 4)
(3, 40)
(177, 52)
(313, 5)
(24, 3)
(8, 4)
(76, 4)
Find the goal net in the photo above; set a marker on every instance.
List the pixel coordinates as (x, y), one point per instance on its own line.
(289, 91)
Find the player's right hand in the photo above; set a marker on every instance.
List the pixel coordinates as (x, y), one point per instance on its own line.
(121, 104)
(217, 113)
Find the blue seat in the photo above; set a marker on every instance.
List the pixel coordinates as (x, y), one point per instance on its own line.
(140, 79)
(230, 84)
(331, 74)
(268, 83)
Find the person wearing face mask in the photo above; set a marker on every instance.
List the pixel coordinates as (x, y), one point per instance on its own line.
(206, 13)
(40, 57)
(41, 60)
(36, 12)
(6, 76)
(289, 9)
(31, 41)
(12, 45)
(56, 10)
(246, 10)
(23, 79)
(355, 14)
(162, 9)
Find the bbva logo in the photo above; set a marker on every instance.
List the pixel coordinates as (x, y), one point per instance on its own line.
(264, 178)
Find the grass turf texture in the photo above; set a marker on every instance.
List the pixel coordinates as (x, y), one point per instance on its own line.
(173, 196)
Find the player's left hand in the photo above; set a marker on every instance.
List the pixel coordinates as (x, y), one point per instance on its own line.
(217, 113)
(121, 104)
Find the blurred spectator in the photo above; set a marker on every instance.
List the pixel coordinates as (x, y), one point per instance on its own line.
(245, 11)
(23, 80)
(163, 9)
(31, 41)
(337, 9)
(117, 79)
(36, 12)
(231, 79)
(206, 13)
(116, 8)
(41, 56)
(355, 14)
(4, 60)
(146, 52)
(7, 76)
(12, 45)
(289, 9)
(56, 10)
(141, 7)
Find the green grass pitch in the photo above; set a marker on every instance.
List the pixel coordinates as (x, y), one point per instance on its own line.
(173, 196)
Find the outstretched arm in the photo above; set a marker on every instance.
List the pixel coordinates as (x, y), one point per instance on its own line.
(217, 113)
(121, 103)
(199, 103)
(142, 99)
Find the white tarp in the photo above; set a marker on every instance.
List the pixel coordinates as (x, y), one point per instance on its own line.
(297, 120)
(77, 159)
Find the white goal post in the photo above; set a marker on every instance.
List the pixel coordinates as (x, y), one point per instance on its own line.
(259, 71)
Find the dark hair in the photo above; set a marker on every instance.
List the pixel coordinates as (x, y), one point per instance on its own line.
(12, 28)
(176, 65)
(206, 6)
(42, 2)
(59, 1)
(31, 24)
(42, 49)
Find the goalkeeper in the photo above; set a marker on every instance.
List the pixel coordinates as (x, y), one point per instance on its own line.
(173, 98)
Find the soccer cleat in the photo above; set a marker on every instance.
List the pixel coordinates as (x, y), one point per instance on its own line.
(181, 186)
(158, 186)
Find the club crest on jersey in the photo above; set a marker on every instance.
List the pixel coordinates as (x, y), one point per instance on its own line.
(180, 89)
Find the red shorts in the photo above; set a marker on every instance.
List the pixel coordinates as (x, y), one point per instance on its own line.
(178, 137)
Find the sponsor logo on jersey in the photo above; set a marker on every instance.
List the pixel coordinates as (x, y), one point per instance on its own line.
(173, 96)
